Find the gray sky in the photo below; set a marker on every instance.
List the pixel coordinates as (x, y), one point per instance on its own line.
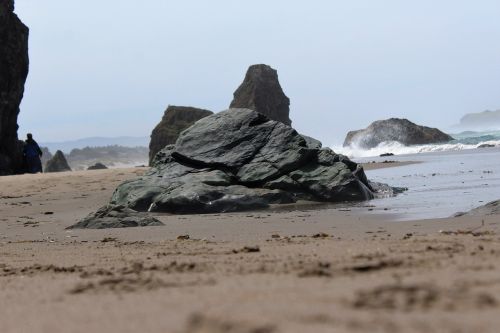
(110, 68)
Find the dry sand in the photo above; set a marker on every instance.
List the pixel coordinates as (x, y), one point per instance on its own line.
(302, 270)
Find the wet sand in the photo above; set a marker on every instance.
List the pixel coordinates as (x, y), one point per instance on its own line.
(302, 270)
(443, 184)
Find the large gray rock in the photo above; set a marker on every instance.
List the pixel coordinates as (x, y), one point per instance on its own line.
(395, 129)
(262, 92)
(116, 217)
(57, 163)
(175, 120)
(312, 142)
(14, 65)
(240, 160)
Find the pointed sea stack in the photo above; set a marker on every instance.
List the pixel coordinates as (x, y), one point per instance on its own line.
(175, 120)
(14, 65)
(262, 92)
(57, 163)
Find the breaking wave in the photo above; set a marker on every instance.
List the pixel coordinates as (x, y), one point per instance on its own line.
(465, 140)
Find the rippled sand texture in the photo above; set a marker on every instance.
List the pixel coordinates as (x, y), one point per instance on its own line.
(299, 270)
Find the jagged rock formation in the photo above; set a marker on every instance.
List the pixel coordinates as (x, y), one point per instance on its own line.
(312, 142)
(240, 160)
(116, 217)
(97, 166)
(14, 65)
(395, 129)
(57, 163)
(262, 92)
(175, 120)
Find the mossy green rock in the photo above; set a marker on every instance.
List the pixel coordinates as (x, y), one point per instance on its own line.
(240, 160)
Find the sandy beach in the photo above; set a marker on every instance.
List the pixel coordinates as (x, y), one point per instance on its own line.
(287, 270)
(249, 167)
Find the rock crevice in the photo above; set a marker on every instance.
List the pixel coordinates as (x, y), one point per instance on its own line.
(239, 160)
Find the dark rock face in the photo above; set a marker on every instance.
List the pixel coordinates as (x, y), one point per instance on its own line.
(14, 65)
(261, 92)
(312, 142)
(97, 166)
(57, 163)
(116, 217)
(240, 160)
(395, 129)
(175, 120)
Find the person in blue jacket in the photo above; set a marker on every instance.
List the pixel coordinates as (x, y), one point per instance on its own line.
(32, 154)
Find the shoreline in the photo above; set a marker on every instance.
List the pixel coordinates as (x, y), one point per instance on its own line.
(387, 164)
(274, 271)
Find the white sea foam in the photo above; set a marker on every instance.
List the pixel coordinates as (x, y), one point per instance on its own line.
(109, 164)
(397, 148)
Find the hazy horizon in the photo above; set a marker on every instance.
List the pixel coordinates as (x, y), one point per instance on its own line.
(111, 68)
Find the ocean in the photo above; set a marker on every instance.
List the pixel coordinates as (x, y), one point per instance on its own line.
(448, 178)
(463, 141)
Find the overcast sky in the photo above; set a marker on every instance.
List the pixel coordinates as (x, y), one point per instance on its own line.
(110, 68)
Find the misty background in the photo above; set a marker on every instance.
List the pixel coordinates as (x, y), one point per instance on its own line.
(110, 68)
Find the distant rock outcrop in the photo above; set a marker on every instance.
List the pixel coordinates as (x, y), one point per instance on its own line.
(81, 159)
(482, 121)
(240, 160)
(97, 166)
(14, 65)
(57, 163)
(262, 92)
(175, 120)
(395, 129)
